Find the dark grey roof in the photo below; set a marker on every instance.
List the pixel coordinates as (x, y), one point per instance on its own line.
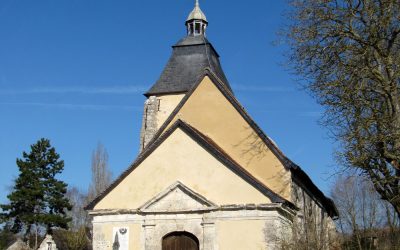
(190, 56)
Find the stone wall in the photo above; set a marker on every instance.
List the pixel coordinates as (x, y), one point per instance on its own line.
(149, 121)
(156, 110)
(313, 222)
(231, 227)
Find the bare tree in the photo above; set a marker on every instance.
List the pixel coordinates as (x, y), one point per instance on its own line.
(363, 215)
(101, 175)
(73, 240)
(304, 233)
(78, 214)
(348, 55)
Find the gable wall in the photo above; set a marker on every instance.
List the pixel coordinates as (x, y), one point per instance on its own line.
(179, 158)
(212, 114)
(167, 104)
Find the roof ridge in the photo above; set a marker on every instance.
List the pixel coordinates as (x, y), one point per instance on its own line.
(287, 163)
(227, 157)
(146, 152)
(212, 147)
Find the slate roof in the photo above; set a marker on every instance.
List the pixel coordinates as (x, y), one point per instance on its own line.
(207, 144)
(190, 56)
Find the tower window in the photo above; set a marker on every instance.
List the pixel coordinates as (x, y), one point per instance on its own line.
(191, 29)
(197, 26)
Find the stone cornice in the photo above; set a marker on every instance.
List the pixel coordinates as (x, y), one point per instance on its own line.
(282, 209)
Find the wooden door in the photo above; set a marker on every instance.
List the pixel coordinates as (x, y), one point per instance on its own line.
(180, 241)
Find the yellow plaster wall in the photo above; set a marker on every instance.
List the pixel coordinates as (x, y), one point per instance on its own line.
(104, 231)
(211, 113)
(167, 105)
(241, 234)
(179, 158)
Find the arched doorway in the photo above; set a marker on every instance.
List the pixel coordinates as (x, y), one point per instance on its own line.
(180, 241)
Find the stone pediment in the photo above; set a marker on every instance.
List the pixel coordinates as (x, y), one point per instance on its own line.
(177, 198)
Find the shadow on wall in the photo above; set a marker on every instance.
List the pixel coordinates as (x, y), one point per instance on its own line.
(253, 149)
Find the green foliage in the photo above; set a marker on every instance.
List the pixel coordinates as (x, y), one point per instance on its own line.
(38, 198)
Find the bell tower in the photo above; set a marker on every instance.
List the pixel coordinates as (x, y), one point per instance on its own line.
(196, 23)
(190, 57)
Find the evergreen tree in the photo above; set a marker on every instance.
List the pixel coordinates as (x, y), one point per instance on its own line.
(38, 199)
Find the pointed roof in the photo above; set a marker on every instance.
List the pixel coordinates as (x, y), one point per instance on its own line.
(196, 14)
(190, 56)
(207, 144)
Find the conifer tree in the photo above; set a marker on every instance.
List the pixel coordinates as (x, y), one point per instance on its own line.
(38, 199)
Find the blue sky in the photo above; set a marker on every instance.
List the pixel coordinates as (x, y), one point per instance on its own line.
(74, 71)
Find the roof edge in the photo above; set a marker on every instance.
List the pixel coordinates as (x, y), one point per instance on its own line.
(177, 184)
(286, 162)
(305, 182)
(147, 94)
(207, 72)
(220, 154)
(177, 45)
(208, 145)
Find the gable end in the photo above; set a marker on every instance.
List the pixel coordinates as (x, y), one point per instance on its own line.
(297, 173)
(207, 144)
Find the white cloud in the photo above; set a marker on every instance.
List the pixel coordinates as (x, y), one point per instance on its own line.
(93, 107)
(115, 90)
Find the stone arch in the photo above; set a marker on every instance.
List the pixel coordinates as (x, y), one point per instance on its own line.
(180, 240)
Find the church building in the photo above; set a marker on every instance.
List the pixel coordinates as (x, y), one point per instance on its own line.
(207, 176)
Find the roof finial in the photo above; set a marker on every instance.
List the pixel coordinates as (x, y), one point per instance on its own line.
(196, 22)
(197, 13)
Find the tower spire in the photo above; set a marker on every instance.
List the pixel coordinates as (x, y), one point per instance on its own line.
(196, 23)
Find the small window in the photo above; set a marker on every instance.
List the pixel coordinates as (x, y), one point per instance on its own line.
(191, 29)
(158, 104)
(197, 28)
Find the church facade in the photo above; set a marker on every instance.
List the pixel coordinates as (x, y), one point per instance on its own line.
(207, 176)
